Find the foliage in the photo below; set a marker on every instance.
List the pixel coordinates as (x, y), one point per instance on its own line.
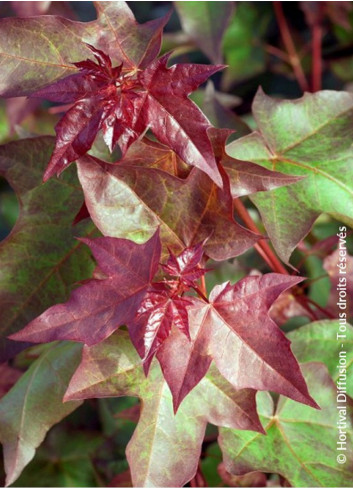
(178, 280)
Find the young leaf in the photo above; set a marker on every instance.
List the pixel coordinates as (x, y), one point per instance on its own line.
(37, 51)
(186, 267)
(113, 368)
(173, 118)
(41, 251)
(290, 427)
(131, 202)
(100, 306)
(34, 405)
(310, 148)
(152, 325)
(124, 104)
(318, 342)
(206, 22)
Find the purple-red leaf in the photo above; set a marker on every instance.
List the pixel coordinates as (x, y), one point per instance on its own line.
(185, 361)
(100, 306)
(125, 103)
(186, 266)
(174, 119)
(246, 345)
(159, 311)
(236, 331)
(132, 202)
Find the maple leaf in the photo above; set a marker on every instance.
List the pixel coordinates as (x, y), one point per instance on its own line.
(34, 405)
(236, 331)
(100, 305)
(187, 211)
(310, 149)
(165, 448)
(164, 307)
(185, 267)
(290, 427)
(159, 311)
(115, 31)
(41, 251)
(125, 103)
(245, 177)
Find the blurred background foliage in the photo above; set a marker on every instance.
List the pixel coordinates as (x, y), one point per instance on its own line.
(265, 44)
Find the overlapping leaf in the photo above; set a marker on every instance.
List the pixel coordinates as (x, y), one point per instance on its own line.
(164, 305)
(40, 259)
(165, 448)
(300, 442)
(318, 342)
(125, 103)
(131, 202)
(34, 405)
(245, 177)
(37, 51)
(235, 330)
(101, 305)
(309, 137)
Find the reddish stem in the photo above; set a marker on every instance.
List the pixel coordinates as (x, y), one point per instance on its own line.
(322, 309)
(261, 246)
(203, 287)
(290, 47)
(316, 74)
(302, 301)
(200, 293)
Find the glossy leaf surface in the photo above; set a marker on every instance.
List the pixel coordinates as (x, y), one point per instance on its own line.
(165, 448)
(299, 440)
(236, 331)
(100, 305)
(311, 149)
(34, 405)
(44, 230)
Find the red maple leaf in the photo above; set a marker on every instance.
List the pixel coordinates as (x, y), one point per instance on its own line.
(164, 305)
(105, 302)
(124, 103)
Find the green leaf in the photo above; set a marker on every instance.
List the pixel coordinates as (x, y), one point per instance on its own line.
(206, 22)
(165, 448)
(64, 460)
(301, 442)
(34, 405)
(318, 342)
(40, 259)
(311, 137)
(243, 43)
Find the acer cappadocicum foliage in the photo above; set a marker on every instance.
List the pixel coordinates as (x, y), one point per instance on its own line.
(162, 217)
